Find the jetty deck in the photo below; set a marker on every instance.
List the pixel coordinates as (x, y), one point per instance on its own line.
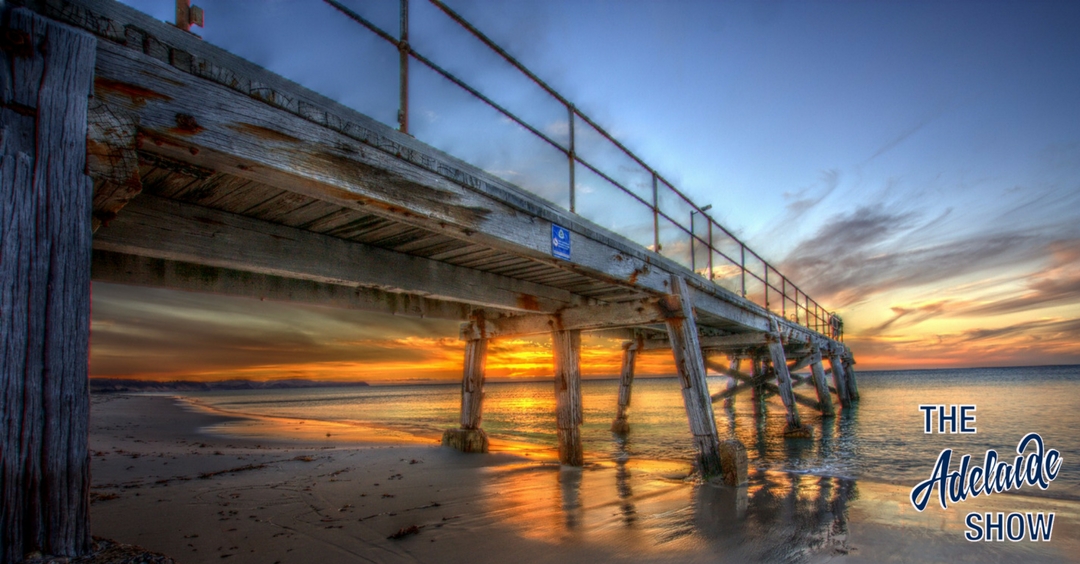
(135, 153)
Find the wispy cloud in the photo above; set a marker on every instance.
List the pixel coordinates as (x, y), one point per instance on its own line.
(874, 249)
(908, 316)
(1035, 342)
(1057, 285)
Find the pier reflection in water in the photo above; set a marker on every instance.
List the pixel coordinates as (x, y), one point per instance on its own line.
(653, 509)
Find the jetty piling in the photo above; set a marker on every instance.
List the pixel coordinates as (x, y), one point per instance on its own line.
(626, 381)
(566, 349)
(690, 364)
(820, 385)
(839, 379)
(849, 369)
(787, 395)
(470, 437)
(46, 73)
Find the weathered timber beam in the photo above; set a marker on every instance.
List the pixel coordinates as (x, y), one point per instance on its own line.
(166, 229)
(581, 318)
(727, 371)
(731, 392)
(566, 356)
(46, 70)
(733, 342)
(111, 159)
(799, 398)
(683, 334)
(802, 362)
(748, 383)
(134, 270)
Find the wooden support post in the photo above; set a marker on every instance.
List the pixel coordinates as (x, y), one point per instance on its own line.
(470, 437)
(472, 384)
(729, 388)
(626, 381)
(46, 71)
(839, 379)
(757, 394)
(783, 382)
(682, 331)
(566, 346)
(849, 368)
(822, 387)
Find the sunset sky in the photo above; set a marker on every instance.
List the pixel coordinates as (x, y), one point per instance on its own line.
(914, 166)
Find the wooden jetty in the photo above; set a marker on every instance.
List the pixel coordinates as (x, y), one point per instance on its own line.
(134, 153)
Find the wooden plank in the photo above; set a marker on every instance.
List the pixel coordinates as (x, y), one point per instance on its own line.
(626, 382)
(171, 230)
(45, 304)
(566, 348)
(683, 333)
(116, 268)
(582, 318)
(301, 217)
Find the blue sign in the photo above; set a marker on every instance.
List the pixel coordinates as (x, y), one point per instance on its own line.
(560, 242)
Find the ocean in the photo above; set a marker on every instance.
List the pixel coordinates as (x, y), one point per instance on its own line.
(881, 439)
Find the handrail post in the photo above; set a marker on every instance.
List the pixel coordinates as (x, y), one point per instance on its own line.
(693, 259)
(403, 54)
(742, 260)
(783, 297)
(655, 215)
(710, 247)
(766, 285)
(572, 156)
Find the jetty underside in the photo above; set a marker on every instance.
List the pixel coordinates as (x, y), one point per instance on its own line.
(211, 174)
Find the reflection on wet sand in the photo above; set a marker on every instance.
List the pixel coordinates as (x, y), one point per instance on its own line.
(653, 508)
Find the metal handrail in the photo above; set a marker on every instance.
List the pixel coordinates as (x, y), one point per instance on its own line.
(813, 315)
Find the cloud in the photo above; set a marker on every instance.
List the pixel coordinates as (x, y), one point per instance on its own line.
(1058, 285)
(161, 333)
(873, 249)
(805, 199)
(905, 134)
(1035, 342)
(907, 316)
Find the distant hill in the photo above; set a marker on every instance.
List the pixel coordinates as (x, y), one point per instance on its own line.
(112, 385)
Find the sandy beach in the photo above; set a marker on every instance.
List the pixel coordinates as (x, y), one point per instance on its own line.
(161, 480)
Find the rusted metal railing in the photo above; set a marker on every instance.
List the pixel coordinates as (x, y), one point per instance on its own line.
(794, 304)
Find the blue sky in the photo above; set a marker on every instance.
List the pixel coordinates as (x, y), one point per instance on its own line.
(915, 165)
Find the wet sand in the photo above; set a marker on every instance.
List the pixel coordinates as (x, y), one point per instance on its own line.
(162, 480)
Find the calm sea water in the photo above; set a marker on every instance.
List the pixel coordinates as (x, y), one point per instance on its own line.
(881, 439)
